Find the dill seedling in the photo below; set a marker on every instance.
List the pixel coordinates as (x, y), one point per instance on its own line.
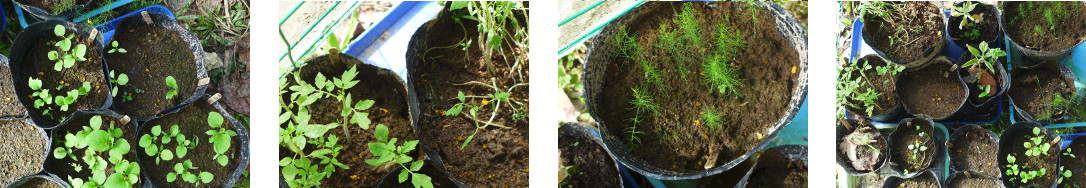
(642, 102)
(712, 118)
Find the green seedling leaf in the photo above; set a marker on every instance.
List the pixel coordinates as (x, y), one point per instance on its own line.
(59, 30)
(214, 119)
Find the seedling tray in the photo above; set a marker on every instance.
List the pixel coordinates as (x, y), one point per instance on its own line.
(859, 48)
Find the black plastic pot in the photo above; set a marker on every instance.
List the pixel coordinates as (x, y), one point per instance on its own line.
(72, 124)
(954, 179)
(1034, 54)
(888, 114)
(18, 110)
(1000, 74)
(943, 65)
(22, 61)
(984, 8)
(37, 13)
(582, 131)
(205, 101)
(937, 137)
(843, 130)
(45, 137)
(164, 21)
(1022, 129)
(957, 143)
(790, 154)
(930, 53)
(600, 55)
(23, 182)
(1066, 75)
(896, 181)
(1076, 164)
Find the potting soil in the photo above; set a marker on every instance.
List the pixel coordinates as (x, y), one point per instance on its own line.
(1046, 26)
(71, 78)
(154, 53)
(23, 151)
(593, 166)
(906, 135)
(9, 101)
(192, 121)
(974, 150)
(935, 90)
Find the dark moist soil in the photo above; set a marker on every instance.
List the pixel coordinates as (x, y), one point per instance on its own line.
(9, 101)
(437, 178)
(963, 180)
(978, 77)
(849, 129)
(1036, 88)
(61, 167)
(40, 183)
(495, 157)
(923, 180)
(774, 170)
(39, 66)
(988, 28)
(974, 149)
(934, 90)
(907, 134)
(923, 15)
(192, 121)
(1068, 31)
(50, 6)
(596, 166)
(389, 108)
(153, 54)
(23, 152)
(887, 90)
(675, 138)
(1048, 162)
(1076, 164)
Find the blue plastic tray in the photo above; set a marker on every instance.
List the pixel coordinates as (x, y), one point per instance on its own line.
(860, 48)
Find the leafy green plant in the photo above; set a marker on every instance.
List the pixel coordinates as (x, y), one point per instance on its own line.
(189, 173)
(918, 146)
(388, 153)
(65, 55)
(1015, 173)
(172, 83)
(45, 98)
(116, 48)
(1063, 174)
(1068, 153)
(121, 80)
(984, 56)
(986, 90)
(1038, 146)
(96, 142)
(307, 167)
(220, 137)
(498, 97)
(154, 144)
(964, 12)
(849, 87)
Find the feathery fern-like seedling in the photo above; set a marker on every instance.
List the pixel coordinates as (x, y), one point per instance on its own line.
(713, 119)
(642, 102)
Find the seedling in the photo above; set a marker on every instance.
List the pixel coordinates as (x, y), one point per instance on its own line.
(97, 141)
(116, 48)
(1063, 174)
(188, 173)
(493, 19)
(44, 98)
(498, 97)
(1068, 153)
(1036, 148)
(964, 12)
(848, 87)
(388, 153)
(65, 55)
(918, 146)
(984, 56)
(121, 80)
(712, 118)
(154, 144)
(172, 83)
(1013, 171)
(220, 138)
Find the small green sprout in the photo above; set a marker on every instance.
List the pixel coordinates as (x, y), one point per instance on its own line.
(154, 144)
(188, 173)
(45, 98)
(66, 56)
(172, 83)
(116, 48)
